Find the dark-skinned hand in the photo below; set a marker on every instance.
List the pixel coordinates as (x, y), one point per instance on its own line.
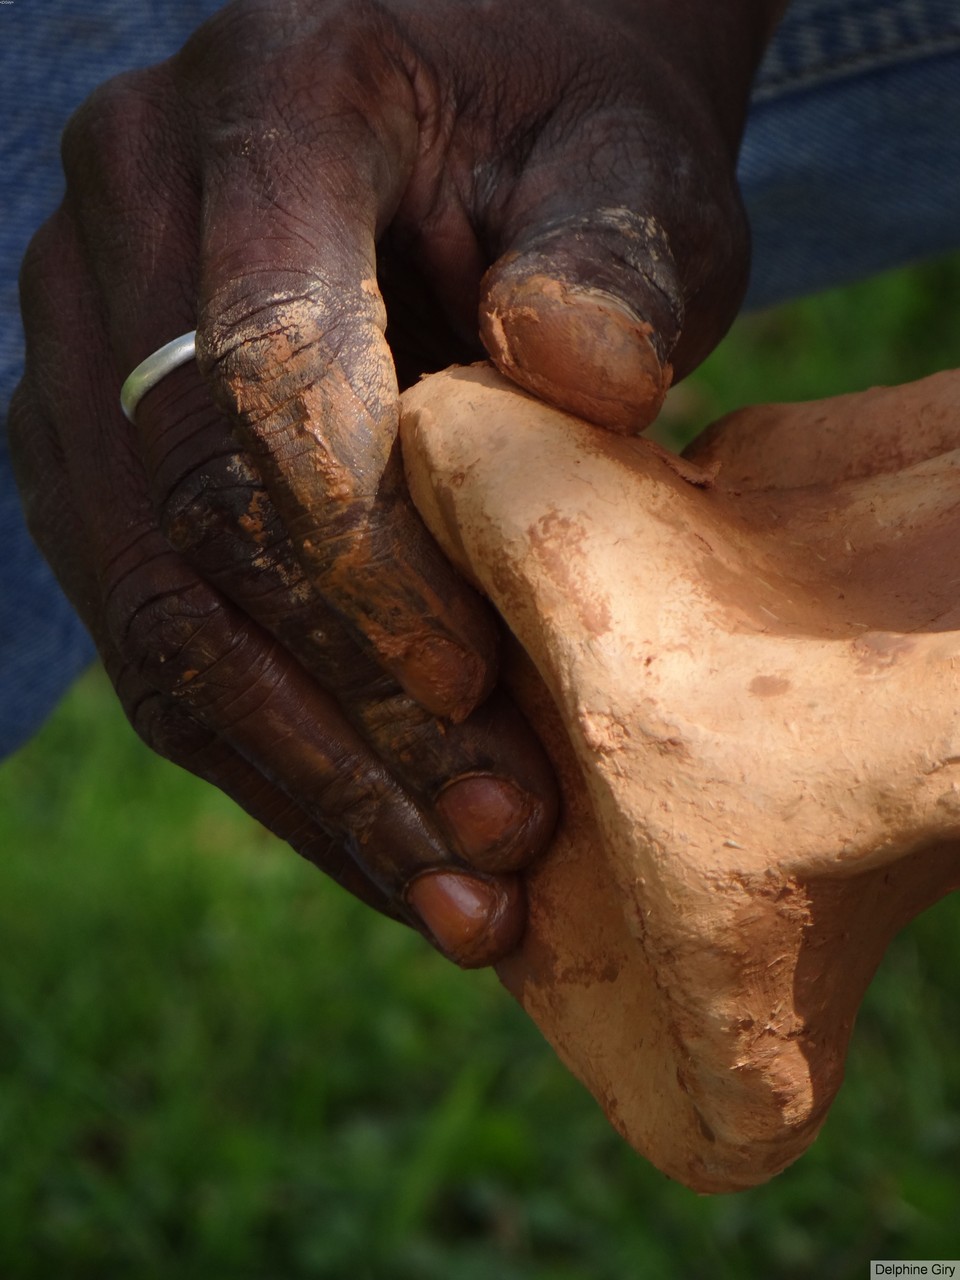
(335, 192)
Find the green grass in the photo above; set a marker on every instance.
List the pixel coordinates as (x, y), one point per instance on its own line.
(880, 332)
(214, 1064)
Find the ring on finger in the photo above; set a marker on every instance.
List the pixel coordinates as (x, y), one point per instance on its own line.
(154, 369)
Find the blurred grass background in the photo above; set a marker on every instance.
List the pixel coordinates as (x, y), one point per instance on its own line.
(214, 1064)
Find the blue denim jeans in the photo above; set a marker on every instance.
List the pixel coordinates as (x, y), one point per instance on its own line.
(850, 163)
(51, 57)
(851, 157)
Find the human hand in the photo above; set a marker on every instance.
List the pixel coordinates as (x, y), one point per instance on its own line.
(270, 610)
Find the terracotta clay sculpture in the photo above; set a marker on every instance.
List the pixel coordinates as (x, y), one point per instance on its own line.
(746, 667)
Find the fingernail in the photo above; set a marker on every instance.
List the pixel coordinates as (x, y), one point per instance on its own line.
(486, 815)
(474, 922)
(583, 349)
(445, 678)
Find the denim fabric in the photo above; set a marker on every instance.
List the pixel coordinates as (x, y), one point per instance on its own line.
(851, 157)
(43, 646)
(51, 56)
(851, 163)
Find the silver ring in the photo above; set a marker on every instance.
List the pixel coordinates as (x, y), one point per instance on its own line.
(152, 370)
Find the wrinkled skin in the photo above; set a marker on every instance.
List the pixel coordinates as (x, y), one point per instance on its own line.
(334, 194)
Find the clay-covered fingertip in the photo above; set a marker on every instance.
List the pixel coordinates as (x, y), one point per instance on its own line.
(584, 350)
(446, 678)
(474, 922)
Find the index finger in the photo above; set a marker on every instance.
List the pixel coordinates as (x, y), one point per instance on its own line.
(291, 336)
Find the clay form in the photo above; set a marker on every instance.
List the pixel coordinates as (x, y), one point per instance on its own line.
(746, 668)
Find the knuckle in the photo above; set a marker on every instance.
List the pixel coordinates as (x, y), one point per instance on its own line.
(182, 640)
(342, 802)
(103, 122)
(256, 40)
(163, 726)
(161, 635)
(100, 112)
(309, 379)
(168, 631)
(263, 319)
(42, 249)
(113, 138)
(255, 328)
(48, 276)
(221, 496)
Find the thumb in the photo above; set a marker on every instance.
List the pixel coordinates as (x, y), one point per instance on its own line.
(586, 314)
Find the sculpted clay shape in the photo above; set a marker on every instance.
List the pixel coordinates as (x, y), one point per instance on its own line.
(746, 667)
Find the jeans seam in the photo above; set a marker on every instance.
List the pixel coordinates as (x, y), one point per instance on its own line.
(771, 85)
